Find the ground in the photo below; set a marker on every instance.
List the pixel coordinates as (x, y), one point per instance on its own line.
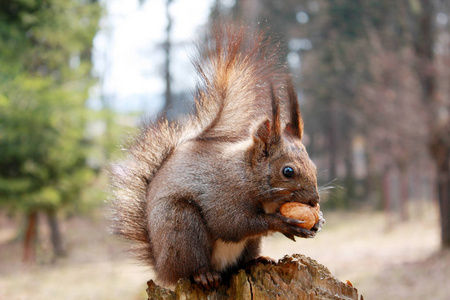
(383, 259)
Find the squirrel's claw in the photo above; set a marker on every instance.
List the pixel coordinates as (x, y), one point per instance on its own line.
(288, 226)
(318, 226)
(207, 279)
(293, 221)
(261, 259)
(289, 236)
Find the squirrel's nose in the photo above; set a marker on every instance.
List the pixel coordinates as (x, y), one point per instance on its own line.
(314, 198)
(310, 197)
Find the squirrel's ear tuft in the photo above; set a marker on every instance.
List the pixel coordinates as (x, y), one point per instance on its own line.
(276, 123)
(294, 130)
(295, 126)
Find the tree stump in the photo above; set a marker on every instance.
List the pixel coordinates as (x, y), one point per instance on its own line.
(293, 277)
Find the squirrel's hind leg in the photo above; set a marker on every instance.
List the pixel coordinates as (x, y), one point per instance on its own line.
(251, 255)
(181, 245)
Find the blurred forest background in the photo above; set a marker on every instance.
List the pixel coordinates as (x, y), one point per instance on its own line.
(373, 79)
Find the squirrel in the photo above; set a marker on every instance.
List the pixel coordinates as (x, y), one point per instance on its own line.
(197, 197)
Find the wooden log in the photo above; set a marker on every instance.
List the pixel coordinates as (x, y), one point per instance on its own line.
(293, 277)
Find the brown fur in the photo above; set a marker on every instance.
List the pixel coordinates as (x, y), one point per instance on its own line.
(217, 180)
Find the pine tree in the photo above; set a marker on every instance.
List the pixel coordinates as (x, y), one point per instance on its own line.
(45, 64)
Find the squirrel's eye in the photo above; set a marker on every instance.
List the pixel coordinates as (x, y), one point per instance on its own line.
(288, 172)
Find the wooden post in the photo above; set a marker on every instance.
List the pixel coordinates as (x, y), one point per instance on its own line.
(293, 277)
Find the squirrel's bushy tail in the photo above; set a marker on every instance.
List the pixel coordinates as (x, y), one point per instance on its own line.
(236, 66)
(130, 178)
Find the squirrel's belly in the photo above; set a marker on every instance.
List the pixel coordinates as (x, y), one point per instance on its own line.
(226, 254)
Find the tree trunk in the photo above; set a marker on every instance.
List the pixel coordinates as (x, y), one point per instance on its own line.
(55, 234)
(444, 203)
(350, 182)
(332, 139)
(441, 154)
(404, 194)
(296, 277)
(387, 198)
(438, 127)
(29, 249)
(168, 48)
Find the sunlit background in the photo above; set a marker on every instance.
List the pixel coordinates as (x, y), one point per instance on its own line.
(78, 76)
(129, 52)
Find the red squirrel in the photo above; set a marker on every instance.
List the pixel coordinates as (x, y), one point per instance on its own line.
(197, 197)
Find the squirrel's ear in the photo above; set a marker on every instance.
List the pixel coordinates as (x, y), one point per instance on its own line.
(263, 132)
(295, 126)
(261, 140)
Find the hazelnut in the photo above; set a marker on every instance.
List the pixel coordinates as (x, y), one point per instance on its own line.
(303, 212)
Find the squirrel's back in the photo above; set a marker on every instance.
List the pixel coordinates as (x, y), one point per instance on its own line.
(236, 66)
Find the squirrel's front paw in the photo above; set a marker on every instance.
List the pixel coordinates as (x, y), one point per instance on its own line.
(259, 260)
(318, 226)
(287, 226)
(207, 279)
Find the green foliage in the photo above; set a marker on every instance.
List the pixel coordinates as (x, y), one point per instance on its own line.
(44, 80)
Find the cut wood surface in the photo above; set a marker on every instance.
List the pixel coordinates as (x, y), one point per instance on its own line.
(293, 277)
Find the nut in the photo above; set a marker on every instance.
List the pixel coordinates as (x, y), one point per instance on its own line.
(303, 212)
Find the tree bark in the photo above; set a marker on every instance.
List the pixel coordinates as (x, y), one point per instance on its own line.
(438, 128)
(332, 139)
(293, 277)
(29, 249)
(404, 194)
(387, 199)
(350, 182)
(55, 234)
(441, 154)
(168, 48)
